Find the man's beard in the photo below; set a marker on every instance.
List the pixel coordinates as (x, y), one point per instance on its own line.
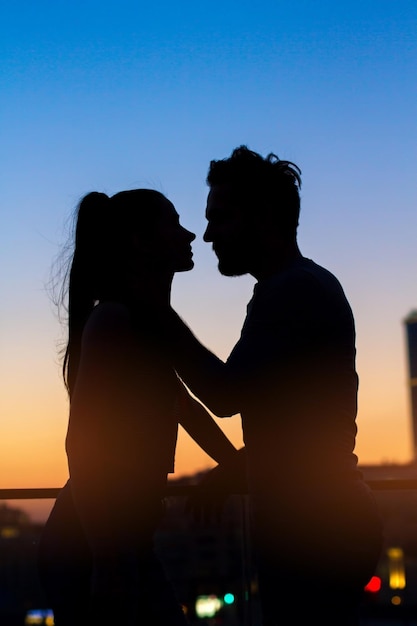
(232, 267)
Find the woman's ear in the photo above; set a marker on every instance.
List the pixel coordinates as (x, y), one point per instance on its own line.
(145, 252)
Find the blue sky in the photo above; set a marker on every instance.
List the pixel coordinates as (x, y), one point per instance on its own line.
(116, 95)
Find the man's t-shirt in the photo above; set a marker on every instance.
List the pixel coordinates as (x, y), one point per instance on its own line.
(295, 362)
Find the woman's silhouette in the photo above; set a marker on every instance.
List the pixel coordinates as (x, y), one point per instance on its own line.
(96, 558)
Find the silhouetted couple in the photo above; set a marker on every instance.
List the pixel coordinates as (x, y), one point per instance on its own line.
(291, 377)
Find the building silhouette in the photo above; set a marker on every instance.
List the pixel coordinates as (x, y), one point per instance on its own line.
(410, 323)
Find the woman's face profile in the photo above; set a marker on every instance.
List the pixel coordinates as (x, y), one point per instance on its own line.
(169, 248)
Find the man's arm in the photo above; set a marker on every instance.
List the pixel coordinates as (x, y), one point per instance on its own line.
(201, 426)
(207, 376)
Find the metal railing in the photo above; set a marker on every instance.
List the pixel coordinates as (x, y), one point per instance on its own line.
(35, 493)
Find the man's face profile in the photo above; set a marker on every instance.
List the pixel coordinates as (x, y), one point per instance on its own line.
(227, 231)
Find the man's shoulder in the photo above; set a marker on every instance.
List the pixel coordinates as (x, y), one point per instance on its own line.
(303, 286)
(319, 273)
(302, 272)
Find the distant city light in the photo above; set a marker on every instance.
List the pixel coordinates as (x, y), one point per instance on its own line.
(9, 532)
(229, 598)
(39, 616)
(207, 606)
(374, 585)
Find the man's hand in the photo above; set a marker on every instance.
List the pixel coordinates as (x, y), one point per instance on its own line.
(207, 502)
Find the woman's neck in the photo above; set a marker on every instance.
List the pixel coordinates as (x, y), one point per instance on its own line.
(153, 289)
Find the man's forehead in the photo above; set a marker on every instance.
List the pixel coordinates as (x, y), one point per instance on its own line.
(223, 196)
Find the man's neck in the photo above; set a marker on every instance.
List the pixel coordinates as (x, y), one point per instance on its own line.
(275, 259)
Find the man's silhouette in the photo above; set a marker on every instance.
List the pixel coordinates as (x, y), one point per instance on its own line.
(292, 377)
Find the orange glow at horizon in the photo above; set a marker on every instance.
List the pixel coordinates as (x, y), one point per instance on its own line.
(33, 427)
(35, 457)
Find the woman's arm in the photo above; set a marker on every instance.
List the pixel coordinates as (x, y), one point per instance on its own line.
(201, 426)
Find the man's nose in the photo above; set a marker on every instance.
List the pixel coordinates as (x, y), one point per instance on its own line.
(207, 234)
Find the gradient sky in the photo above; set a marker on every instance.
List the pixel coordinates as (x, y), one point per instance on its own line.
(115, 95)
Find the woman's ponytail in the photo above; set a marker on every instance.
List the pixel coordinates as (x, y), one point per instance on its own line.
(91, 228)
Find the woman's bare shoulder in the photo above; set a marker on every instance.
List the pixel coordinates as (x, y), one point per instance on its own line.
(108, 320)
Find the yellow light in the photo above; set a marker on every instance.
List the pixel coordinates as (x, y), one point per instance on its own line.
(396, 568)
(9, 532)
(396, 600)
(395, 553)
(34, 619)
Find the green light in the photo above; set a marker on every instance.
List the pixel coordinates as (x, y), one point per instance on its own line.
(229, 598)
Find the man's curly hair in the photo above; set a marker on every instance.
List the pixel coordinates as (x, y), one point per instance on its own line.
(263, 183)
